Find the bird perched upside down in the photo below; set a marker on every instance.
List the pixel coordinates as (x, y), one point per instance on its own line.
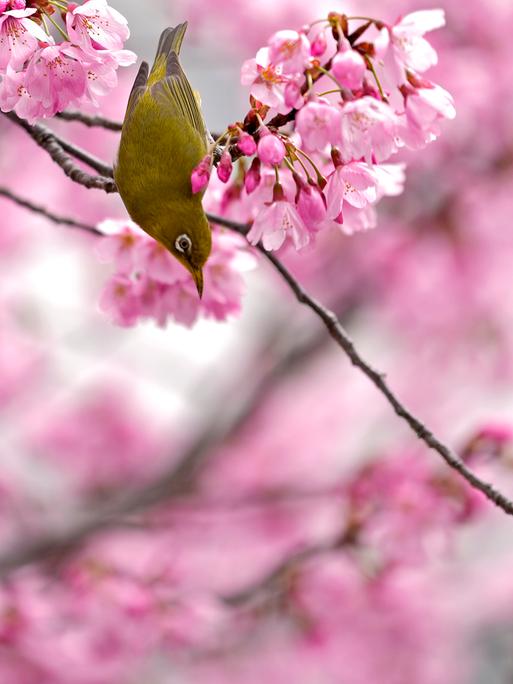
(163, 139)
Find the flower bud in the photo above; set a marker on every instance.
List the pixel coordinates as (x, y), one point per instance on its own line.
(319, 45)
(271, 150)
(201, 175)
(247, 145)
(225, 168)
(349, 68)
(293, 95)
(253, 177)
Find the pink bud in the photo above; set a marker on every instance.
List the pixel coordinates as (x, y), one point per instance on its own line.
(252, 179)
(247, 145)
(319, 46)
(225, 168)
(311, 205)
(293, 96)
(201, 175)
(349, 68)
(271, 150)
(18, 4)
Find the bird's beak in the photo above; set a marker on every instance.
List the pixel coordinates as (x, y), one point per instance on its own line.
(198, 279)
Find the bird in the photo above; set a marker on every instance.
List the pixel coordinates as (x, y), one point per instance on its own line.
(163, 138)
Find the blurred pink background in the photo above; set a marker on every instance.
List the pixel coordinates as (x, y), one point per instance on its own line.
(322, 543)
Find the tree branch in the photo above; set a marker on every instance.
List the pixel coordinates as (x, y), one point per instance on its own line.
(38, 209)
(60, 151)
(91, 121)
(343, 340)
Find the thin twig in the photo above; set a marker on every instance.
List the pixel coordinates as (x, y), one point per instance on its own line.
(38, 209)
(91, 121)
(55, 148)
(336, 331)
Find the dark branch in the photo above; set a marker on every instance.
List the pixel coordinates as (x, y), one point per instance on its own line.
(91, 121)
(60, 151)
(343, 340)
(36, 208)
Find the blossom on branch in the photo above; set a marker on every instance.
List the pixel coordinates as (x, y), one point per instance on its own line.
(40, 78)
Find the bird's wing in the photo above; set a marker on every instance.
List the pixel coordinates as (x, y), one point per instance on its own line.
(138, 88)
(174, 92)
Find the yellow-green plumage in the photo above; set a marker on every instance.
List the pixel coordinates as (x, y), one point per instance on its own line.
(163, 138)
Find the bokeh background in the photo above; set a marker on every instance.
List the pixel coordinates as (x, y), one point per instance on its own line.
(321, 542)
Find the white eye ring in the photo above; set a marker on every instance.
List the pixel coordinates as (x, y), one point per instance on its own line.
(183, 244)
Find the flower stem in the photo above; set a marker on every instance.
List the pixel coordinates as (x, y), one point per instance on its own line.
(61, 31)
(369, 63)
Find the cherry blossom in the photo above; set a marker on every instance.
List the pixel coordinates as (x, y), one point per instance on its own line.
(318, 124)
(95, 25)
(149, 283)
(19, 37)
(368, 130)
(277, 222)
(410, 49)
(41, 77)
(266, 80)
(289, 49)
(271, 150)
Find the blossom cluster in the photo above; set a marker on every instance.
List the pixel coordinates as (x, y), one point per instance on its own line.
(149, 283)
(330, 105)
(41, 77)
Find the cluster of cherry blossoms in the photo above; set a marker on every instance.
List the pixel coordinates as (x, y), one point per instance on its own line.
(41, 77)
(150, 283)
(330, 105)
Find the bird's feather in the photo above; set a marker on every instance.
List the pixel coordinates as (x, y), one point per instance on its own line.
(139, 87)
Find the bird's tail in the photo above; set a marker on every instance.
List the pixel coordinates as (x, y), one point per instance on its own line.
(169, 44)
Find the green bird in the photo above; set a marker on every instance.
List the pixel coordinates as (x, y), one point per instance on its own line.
(163, 139)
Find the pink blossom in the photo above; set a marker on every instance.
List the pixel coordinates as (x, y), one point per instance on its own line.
(319, 45)
(390, 179)
(357, 220)
(155, 261)
(311, 204)
(14, 95)
(101, 440)
(318, 124)
(224, 282)
(100, 68)
(150, 283)
(352, 183)
(54, 79)
(277, 222)
(253, 176)
(271, 150)
(368, 130)
(425, 108)
(290, 49)
(120, 244)
(349, 68)
(247, 144)
(201, 175)
(266, 80)
(410, 49)
(293, 95)
(96, 26)
(19, 37)
(225, 167)
(119, 300)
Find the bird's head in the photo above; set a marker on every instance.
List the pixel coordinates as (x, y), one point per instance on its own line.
(191, 245)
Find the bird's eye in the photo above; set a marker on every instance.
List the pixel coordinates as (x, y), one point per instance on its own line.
(183, 244)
